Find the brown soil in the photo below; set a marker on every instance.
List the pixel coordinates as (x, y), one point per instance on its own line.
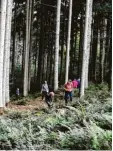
(31, 105)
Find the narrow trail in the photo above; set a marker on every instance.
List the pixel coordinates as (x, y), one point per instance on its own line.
(35, 104)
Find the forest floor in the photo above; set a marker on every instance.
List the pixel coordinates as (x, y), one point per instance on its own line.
(84, 124)
(31, 102)
(27, 104)
(36, 104)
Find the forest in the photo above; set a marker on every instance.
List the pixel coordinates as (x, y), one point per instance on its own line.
(55, 41)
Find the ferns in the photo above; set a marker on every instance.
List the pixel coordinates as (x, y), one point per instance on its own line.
(86, 125)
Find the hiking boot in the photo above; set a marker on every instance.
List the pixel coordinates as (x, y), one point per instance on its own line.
(71, 99)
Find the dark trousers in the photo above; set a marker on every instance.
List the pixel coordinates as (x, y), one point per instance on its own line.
(44, 93)
(48, 100)
(68, 94)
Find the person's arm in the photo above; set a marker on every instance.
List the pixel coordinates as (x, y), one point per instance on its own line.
(47, 88)
(65, 87)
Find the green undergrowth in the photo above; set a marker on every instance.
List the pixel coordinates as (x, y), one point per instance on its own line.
(24, 100)
(86, 124)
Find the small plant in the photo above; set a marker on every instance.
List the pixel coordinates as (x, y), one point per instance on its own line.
(21, 102)
(15, 115)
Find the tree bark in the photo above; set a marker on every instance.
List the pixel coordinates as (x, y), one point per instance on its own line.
(80, 45)
(30, 44)
(88, 44)
(57, 46)
(5, 36)
(41, 50)
(85, 50)
(2, 45)
(26, 57)
(110, 66)
(62, 49)
(94, 49)
(107, 46)
(102, 48)
(6, 97)
(14, 46)
(68, 41)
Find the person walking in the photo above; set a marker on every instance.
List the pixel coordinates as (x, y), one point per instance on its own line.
(49, 98)
(75, 83)
(68, 87)
(44, 90)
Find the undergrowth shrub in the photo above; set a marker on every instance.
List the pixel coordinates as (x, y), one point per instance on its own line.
(84, 126)
(100, 139)
(21, 102)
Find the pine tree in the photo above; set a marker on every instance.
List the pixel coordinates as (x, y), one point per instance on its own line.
(57, 45)
(85, 50)
(2, 45)
(68, 41)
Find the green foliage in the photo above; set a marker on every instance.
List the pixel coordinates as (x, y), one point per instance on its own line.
(99, 91)
(86, 125)
(104, 7)
(21, 102)
(100, 139)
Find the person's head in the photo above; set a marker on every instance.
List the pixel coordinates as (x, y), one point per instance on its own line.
(45, 82)
(69, 81)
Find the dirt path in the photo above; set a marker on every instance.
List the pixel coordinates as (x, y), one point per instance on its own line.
(32, 105)
(35, 104)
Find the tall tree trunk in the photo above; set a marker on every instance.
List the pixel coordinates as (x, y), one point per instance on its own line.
(48, 57)
(23, 50)
(36, 59)
(30, 44)
(62, 50)
(2, 45)
(102, 48)
(80, 44)
(110, 65)
(107, 47)
(85, 50)
(88, 44)
(14, 46)
(51, 71)
(5, 35)
(57, 45)
(74, 50)
(7, 52)
(94, 49)
(68, 41)
(26, 57)
(41, 50)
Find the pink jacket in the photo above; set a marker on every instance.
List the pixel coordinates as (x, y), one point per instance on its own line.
(68, 86)
(75, 83)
